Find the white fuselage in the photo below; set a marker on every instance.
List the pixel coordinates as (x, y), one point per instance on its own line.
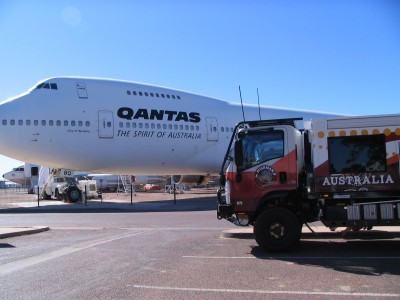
(24, 175)
(17, 175)
(110, 126)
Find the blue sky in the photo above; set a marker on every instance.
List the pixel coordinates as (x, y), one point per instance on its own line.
(335, 56)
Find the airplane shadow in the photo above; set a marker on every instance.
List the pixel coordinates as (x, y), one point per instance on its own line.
(6, 245)
(168, 205)
(362, 257)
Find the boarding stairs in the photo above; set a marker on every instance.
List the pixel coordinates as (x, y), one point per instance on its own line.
(126, 181)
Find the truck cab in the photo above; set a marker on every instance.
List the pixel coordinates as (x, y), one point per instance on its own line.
(265, 164)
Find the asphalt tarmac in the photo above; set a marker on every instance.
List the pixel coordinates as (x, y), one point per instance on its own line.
(158, 249)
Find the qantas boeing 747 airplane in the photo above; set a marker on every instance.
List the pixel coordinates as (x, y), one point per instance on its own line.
(121, 127)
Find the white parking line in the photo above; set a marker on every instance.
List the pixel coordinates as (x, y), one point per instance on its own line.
(34, 260)
(292, 257)
(138, 228)
(219, 257)
(168, 288)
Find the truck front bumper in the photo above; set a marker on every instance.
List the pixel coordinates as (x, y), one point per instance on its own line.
(224, 211)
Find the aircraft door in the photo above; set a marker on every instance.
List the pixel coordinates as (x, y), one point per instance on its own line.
(106, 124)
(82, 92)
(34, 176)
(212, 129)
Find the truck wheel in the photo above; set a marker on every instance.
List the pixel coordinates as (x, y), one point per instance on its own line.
(73, 194)
(57, 195)
(277, 229)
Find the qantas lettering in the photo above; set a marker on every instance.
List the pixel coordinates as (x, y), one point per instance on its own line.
(159, 134)
(154, 114)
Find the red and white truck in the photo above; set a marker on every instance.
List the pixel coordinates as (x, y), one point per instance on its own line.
(343, 172)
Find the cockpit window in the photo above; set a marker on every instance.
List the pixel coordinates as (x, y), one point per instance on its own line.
(46, 85)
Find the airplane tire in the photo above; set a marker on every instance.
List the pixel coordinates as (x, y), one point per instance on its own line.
(277, 229)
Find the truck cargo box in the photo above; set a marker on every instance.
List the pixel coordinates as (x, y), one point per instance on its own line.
(356, 155)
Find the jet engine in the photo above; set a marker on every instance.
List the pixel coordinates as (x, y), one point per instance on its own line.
(191, 179)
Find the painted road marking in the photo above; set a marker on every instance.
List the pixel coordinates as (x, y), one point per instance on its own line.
(292, 257)
(169, 288)
(31, 261)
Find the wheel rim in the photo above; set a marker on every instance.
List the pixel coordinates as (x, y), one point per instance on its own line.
(74, 195)
(277, 230)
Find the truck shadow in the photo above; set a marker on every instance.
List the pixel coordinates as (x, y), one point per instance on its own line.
(372, 257)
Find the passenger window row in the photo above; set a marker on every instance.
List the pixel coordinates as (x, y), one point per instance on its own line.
(157, 95)
(226, 129)
(13, 122)
(158, 126)
(46, 122)
(165, 126)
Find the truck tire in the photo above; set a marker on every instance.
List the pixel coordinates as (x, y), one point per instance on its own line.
(73, 194)
(277, 229)
(58, 195)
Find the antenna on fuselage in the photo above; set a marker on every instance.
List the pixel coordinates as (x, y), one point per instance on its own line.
(259, 109)
(241, 102)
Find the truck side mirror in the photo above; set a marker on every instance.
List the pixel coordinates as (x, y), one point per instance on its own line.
(222, 180)
(238, 154)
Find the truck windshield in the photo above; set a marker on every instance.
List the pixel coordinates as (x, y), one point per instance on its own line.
(260, 147)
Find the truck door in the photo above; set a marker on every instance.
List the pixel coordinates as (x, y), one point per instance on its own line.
(212, 129)
(268, 165)
(106, 124)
